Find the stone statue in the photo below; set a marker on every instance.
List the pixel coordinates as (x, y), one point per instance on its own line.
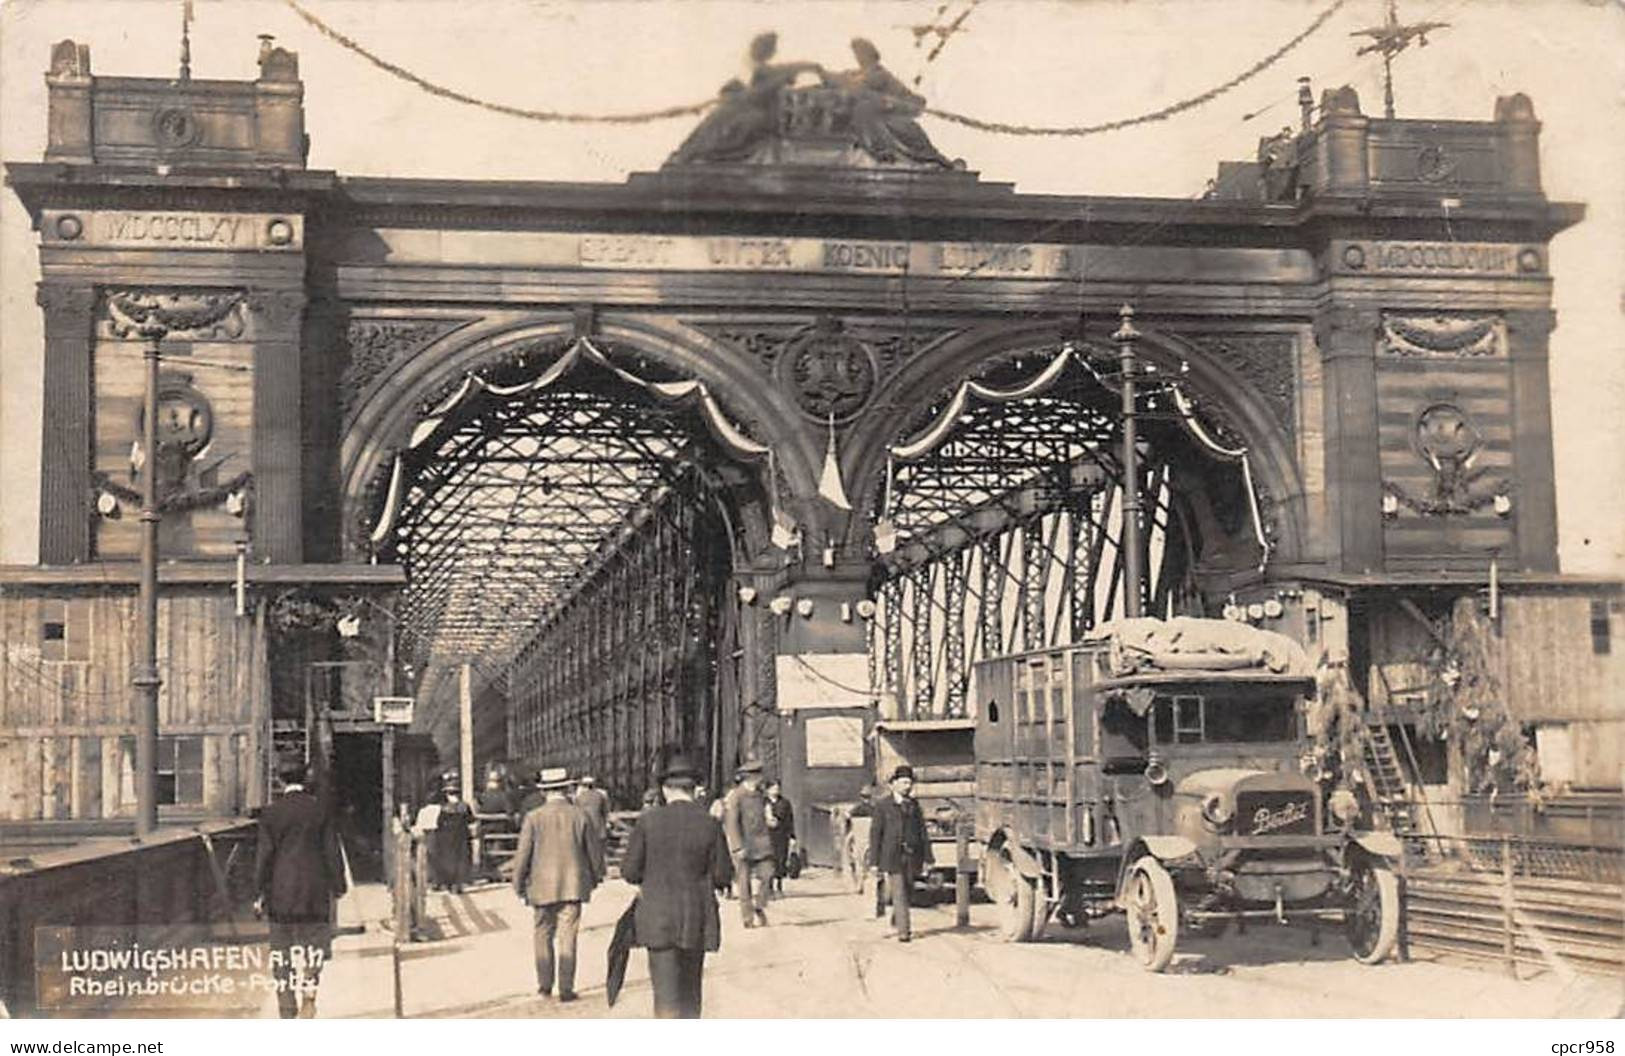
(747, 113)
(1278, 163)
(884, 111)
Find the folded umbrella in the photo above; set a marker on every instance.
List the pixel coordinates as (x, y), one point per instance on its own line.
(620, 951)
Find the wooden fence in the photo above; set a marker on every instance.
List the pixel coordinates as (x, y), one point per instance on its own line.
(1520, 902)
(197, 875)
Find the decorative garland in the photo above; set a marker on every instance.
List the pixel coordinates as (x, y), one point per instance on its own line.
(1444, 507)
(938, 431)
(732, 437)
(1156, 115)
(1468, 337)
(455, 96)
(179, 502)
(1495, 755)
(645, 117)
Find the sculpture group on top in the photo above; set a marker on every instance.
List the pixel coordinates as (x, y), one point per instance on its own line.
(867, 106)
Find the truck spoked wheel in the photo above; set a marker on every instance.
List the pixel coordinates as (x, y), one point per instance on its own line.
(1014, 895)
(1153, 914)
(1372, 923)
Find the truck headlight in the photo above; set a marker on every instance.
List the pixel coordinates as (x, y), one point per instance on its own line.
(1345, 808)
(1217, 810)
(1155, 771)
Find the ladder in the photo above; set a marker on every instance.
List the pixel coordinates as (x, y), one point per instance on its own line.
(1390, 792)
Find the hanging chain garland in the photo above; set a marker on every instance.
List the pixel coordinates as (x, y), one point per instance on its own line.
(500, 108)
(1156, 115)
(645, 117)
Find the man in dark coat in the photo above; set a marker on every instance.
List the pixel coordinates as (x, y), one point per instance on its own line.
(899, 847)
(559, 861)
(593, 802)
(750, 841)
(678, 856)
(298, 871)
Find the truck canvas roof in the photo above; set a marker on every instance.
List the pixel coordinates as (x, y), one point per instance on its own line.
(1193, 647)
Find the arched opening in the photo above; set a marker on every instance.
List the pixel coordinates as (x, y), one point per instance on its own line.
(998, 522)
(568, 518)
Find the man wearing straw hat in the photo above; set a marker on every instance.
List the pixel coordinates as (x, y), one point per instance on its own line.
(559, 861)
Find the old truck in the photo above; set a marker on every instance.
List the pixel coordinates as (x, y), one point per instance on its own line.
(940, 752)
(1155, 769)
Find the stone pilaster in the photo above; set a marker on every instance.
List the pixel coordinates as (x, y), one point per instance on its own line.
(65, 453)
(1535, 503)
(1347, 339)
(278, 432)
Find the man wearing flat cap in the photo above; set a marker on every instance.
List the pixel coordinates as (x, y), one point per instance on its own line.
(750, 841)
(559, 861)
(678, 857)
(899, 847)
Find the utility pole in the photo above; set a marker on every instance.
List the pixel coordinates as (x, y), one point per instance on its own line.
(146, 680)
(1127, 366)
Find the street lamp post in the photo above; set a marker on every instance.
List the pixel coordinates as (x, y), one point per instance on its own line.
(1127, 365)
(146, 680)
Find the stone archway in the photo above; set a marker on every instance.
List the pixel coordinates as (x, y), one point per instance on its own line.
(504, 376)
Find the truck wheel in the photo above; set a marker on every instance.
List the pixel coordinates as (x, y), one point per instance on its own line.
(1372, 920)
(1014, 895)
(1041, 910)
(1153, 913)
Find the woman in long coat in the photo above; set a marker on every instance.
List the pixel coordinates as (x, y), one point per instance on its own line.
(781, 828)
(451, 860)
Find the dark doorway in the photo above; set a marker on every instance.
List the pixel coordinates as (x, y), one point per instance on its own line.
(358, 784)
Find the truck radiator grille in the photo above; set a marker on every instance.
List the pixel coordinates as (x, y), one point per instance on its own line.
(1275, 813)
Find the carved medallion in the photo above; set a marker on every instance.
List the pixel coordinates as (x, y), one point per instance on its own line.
(1434, 164)
(1447, 440)
(828, 371)
(176, 127)
(185, 430)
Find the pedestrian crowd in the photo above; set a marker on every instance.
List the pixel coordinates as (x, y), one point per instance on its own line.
(684, 851)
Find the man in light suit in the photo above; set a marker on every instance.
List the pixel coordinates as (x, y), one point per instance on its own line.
(678, 857)
(559, 861)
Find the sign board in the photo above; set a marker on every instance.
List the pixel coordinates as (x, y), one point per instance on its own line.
(835, 740)
(394, 710)
(823, 680)
(173, 229)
